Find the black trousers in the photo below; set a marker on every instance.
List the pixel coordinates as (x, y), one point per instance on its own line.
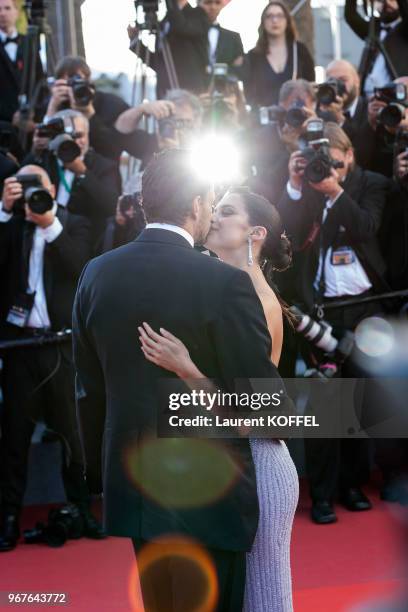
(336, 465)
(175, 585)
(26, 401)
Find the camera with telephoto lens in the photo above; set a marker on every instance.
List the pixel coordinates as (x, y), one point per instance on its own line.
(334, 352)
(62, 139)
(169, 127)
(38, 199)
(51, 129)
(315, 149)
(64, 524)
(396, 97)
(295, 116)
(83, 90)
(327, 92)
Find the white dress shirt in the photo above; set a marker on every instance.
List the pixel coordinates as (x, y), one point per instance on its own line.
(11, 47)
(39, 314)
(173, 228)
(213, 37)
(380, 74)
(350, 279)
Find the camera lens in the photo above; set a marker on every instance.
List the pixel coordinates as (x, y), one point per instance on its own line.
(326, 94)
(39, 200)
(317, 170)
(392, 115)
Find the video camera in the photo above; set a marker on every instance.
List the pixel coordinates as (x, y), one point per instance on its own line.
(150, 9)
(396, 97)
(35, 9)
(38, 199)
(334, 351)
(327, 92)
(315, 149)
(295, 116)
(62, 139)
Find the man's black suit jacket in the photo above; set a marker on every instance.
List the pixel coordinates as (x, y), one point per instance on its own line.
(10, 80)
(357, 128)
(395, 43)
(64, 259)
(354, 220)
(214, 310)
(229, 47)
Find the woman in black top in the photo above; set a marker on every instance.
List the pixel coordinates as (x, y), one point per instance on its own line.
(276, 58)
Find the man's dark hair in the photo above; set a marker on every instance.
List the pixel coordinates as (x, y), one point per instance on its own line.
(169, 186)
(71, 65)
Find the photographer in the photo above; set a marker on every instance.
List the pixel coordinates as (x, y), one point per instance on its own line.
(394, 230)
(272, 144)
(185, 30)
(340, 96)
(332, 212)
(43, 249)
(86, 182)
(391, 28)
(387, 114)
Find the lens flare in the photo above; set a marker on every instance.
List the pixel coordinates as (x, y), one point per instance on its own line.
(374, 337)
(181, 473)
(216, 159)
(190, 565)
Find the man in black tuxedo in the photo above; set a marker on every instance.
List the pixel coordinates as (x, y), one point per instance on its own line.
(184, 29)
(392, 29)
(333, 226)
(41, 258)
(11, 59)
(214, 310)
(224, 46)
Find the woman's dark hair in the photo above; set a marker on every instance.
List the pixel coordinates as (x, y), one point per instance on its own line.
(276, 252)
(169, 186)
(262, 44)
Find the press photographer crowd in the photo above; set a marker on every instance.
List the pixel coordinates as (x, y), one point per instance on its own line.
(331, 158)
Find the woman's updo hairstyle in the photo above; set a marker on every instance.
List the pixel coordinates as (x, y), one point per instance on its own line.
(276, 252)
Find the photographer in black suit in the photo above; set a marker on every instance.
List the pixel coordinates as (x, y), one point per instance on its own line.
(11, 68)
(41, 258)
(392, 29)
(213, 308)
(185, 30)
(87, 185)
(333, 225)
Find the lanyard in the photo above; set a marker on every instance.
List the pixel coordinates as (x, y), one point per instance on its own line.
(61, 175)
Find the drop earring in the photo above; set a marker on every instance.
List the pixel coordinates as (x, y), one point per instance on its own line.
(250, 254)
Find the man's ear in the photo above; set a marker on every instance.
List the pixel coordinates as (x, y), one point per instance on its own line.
(350, 157)
(53, 191)
(258, 233)
(197, 203)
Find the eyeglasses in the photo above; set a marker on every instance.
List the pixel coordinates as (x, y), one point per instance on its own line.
(275, 16)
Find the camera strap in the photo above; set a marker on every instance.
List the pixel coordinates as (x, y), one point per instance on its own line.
(63, 180)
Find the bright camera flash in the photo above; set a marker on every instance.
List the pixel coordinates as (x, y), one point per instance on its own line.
(216, 158)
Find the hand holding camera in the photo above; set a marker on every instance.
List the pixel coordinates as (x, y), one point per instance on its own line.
(77, 166)
(12, 192)
(160, 109)
(297, 164)
(331, 97)
(61, 97)
(401, 165)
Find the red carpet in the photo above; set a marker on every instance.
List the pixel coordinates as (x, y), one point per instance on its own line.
(335, 567)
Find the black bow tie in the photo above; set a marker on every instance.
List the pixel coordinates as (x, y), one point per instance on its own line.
(216, 26)
(8, 40)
